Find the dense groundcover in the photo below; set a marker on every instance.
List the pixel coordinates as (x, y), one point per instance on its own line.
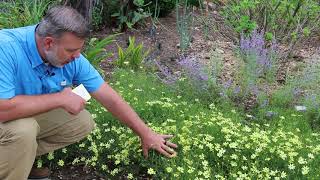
(213, 141)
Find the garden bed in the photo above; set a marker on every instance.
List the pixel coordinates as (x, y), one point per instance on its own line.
(164, 47)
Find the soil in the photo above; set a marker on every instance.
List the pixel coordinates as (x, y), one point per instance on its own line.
(75, 173)
(162, 41)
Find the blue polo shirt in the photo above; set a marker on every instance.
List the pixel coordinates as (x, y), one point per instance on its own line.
(23, 72)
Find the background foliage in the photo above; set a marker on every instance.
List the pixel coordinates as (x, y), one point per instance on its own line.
(288, 21)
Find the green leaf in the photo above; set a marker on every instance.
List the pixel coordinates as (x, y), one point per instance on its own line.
(306, 31)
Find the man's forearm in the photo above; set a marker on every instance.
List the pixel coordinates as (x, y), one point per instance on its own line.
(126, 115)
(121, 110)
(25, 106)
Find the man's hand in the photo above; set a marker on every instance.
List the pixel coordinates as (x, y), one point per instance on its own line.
(111, 100)
(71, 102)
(158, 142)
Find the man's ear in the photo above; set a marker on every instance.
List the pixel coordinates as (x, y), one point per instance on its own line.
(48, 42)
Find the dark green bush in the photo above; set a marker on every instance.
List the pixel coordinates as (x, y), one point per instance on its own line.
(287, 20)
(164, 7)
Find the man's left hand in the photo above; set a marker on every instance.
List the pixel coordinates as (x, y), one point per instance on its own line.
(158, 142)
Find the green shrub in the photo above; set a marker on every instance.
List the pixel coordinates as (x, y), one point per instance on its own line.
(164, 7)
(287, 20)
(130, 13)
(101, 14)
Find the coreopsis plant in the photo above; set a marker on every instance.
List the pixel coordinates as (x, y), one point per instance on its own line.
(213, 143)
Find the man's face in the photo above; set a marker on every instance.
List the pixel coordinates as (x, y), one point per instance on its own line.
(61, 51)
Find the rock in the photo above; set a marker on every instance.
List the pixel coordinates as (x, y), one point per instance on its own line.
(300, 108)
(219, 51)
(270, 114)
(212, 6)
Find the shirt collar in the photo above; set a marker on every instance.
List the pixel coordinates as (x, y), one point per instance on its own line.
(35, 58)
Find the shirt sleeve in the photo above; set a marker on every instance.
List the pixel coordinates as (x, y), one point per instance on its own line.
(7, 73)
(87, 75)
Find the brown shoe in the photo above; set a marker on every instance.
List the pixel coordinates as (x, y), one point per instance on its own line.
(39, 173)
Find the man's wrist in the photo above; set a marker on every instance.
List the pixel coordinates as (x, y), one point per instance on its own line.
(58, 100)
(145, 133)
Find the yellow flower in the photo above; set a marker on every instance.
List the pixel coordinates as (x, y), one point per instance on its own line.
(169, 169)
(283, 174)
(61, 162)
(75, 161)
(234, 156)
(130, 176)
(50, 156)
(151, 171)
(305, 170)
(205, 163)
(310, 155)
(291, 166)
(39, 163)
(233, 164)
(301, 160)
(180, 169)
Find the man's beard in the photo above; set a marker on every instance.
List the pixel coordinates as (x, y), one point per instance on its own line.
(52, 58)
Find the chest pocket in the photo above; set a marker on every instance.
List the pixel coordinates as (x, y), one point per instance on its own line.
(49, 85)
(53, 84)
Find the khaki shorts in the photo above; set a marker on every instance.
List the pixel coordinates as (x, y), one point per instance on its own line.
(23, 139)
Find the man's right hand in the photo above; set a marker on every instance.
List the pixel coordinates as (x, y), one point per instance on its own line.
(71, 102)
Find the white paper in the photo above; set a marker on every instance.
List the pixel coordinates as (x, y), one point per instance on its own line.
(82, 92)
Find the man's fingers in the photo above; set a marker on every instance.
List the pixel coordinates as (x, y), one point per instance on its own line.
(166, 136)
(168, 149)
(170, 144)
(145, 152)
(162, 151)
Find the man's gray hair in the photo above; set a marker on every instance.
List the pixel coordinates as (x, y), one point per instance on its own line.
(61, 19)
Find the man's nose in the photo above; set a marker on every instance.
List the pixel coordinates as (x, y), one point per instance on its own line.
(76, 55)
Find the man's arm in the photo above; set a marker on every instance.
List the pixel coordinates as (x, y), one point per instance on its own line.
(25, 106)
(121, 110)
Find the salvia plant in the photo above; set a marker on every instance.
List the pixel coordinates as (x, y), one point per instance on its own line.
(258, 68)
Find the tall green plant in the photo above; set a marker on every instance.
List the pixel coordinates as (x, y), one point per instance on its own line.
(96, 51)
(22, 13)
(184, 24)
(132, 57)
